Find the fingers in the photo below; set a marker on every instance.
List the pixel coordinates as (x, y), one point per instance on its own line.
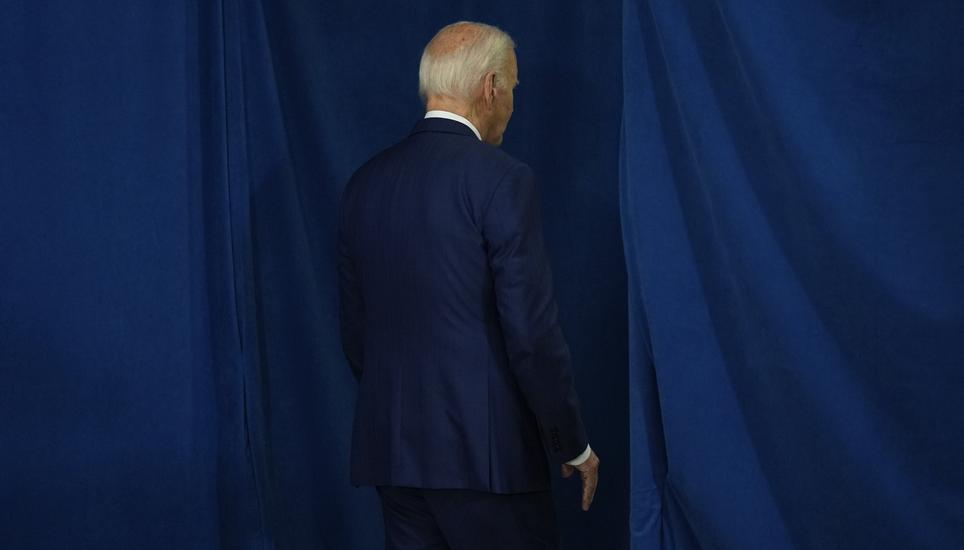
(590, 480)
(589, 471)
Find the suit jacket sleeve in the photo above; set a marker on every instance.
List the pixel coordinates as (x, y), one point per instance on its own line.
(537, 351)
(351, 305)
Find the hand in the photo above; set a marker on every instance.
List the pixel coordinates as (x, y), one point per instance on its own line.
(589, 470)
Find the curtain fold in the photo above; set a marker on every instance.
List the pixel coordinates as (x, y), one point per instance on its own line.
(122, 372)
(791, 197)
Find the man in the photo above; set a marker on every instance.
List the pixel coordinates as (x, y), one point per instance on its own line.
(449, 323)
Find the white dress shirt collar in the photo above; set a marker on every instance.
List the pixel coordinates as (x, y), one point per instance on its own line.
(456, 118)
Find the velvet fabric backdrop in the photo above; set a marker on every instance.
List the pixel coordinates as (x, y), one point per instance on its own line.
(122, 373)
(790, 196)
(170, 174)
(792, 193)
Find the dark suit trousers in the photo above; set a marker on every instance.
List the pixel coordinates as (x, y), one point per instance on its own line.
(462, 519)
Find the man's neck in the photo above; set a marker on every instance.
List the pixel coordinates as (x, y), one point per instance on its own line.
(440, 104)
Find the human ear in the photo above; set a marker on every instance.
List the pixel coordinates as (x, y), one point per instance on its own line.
(488, 89)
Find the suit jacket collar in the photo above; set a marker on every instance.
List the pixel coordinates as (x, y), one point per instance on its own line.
(443, 125)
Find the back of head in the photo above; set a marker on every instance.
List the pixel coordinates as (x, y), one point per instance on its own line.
(455, 61)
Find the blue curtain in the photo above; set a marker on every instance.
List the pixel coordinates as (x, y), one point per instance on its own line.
(792, 186)
(122, 367)
(170, 367)
(785, 180)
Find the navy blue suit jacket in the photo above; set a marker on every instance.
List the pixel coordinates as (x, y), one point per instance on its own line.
(448, 320)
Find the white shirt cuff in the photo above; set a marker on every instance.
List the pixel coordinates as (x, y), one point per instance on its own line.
(581, 458)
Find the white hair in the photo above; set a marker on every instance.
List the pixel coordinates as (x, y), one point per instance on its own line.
(458, 71)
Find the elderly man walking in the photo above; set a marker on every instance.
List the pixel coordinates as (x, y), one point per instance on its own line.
(449, 322)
